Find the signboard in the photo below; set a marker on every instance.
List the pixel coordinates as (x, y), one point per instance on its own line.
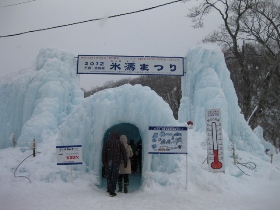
(215, 150)
(69, 155)
(130, 65)
(167, 140)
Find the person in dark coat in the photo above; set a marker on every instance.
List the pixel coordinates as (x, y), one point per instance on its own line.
(134, 157)
(112, 152)
(124, 172)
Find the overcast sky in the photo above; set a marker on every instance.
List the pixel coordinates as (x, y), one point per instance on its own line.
(164, 31)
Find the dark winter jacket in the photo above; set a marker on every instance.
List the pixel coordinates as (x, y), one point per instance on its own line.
(113, 150)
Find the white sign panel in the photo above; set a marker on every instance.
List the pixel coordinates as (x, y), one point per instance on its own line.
(167, 140)
(130, 65)
(215, 148)
(69, 155)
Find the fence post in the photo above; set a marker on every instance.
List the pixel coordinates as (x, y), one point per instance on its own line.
(33, 147)
(234, 156)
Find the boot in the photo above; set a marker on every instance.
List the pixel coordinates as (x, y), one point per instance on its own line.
(125, 187)
(120, 186)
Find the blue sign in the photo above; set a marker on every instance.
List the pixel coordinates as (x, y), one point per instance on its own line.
(130, 65)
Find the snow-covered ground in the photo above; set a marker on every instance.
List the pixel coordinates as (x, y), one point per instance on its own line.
(260, 190)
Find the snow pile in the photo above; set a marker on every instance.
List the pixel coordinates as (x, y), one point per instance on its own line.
(56, 187)
(38, 100)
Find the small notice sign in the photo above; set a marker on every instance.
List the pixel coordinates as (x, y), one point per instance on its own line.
(215, 148)
(167, 140)
(69, 155)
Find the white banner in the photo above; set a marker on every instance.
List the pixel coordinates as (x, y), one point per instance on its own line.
(130, 65)
(215, 147)
(168, 140)
(69, 155)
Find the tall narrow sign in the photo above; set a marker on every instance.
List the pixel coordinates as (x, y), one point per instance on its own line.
(215, 150)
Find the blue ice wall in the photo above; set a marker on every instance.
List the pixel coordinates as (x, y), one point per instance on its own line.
(37, 100)
(136, 105)
(207, 85)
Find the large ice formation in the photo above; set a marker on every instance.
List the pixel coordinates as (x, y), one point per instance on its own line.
(37, 100)
(48, 99)
(207, 85)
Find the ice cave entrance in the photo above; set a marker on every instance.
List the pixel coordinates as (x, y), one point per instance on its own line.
(132, 133)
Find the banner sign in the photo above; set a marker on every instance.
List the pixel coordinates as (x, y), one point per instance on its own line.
(167, 140)
(130, 65)
(69, 155)
(215, 150)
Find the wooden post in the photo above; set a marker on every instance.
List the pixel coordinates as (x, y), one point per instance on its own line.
(14, 141)
(149, 168)
(271, 158)
(234, 156)
(71, 177)
(186, 171)
(33, 147)
(13, 138)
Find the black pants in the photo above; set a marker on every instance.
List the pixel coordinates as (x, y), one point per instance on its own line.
(112, 171)
(123, 177)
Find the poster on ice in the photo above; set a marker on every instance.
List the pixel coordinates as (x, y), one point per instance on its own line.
(167, 140)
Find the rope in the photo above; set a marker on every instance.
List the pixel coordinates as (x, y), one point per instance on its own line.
(19, 165)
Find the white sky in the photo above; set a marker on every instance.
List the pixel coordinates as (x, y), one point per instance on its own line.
(165, 31)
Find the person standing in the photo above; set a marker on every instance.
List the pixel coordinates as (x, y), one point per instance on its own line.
(112, 152)
(133, 158)
(125, 171)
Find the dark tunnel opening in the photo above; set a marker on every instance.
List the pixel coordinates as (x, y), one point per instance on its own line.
(133, 136)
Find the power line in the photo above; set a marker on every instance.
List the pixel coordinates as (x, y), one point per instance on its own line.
(85, 21)
(17, 4)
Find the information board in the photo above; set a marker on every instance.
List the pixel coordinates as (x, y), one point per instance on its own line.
(130, 65)
(69, 155)
(167, 140)
(215, 148)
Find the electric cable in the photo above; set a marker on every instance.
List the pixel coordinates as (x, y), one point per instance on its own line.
(249, 165)
(10, 5)
(242, 171)
(204, 160)
(20, 164)
(85, 21)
